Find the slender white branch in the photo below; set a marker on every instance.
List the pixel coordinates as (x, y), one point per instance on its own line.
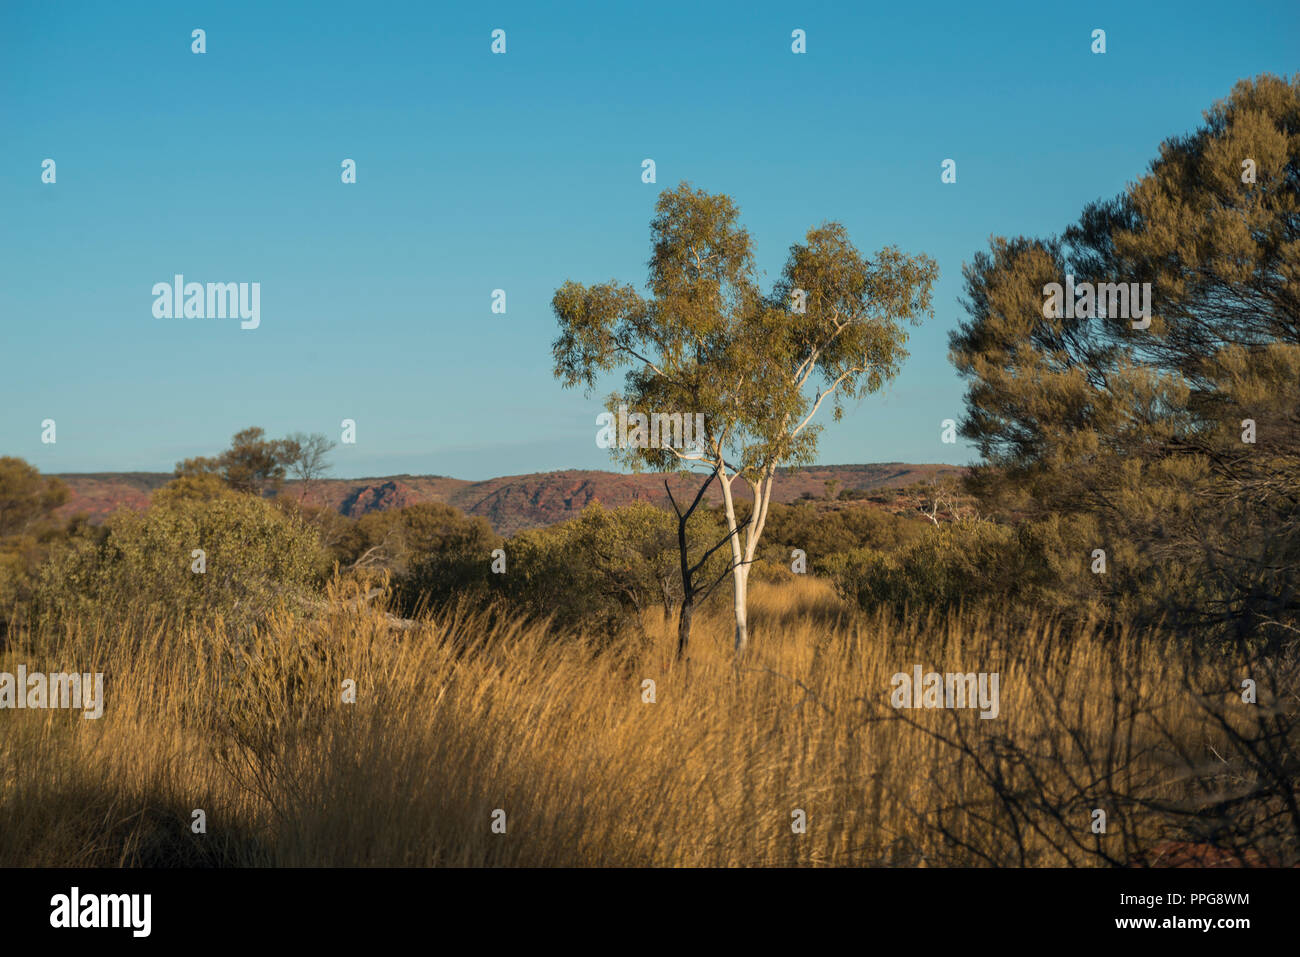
(821, 396)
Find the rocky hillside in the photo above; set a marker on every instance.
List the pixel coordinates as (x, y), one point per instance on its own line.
(509, 503)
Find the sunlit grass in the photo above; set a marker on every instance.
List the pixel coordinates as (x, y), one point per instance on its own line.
(458, 718)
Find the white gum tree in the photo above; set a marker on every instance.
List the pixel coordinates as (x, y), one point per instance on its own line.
(758, 367)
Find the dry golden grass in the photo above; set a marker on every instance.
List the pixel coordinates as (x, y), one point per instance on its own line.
(458, 718)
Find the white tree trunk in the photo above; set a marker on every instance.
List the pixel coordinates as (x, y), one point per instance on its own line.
(739, 580)
(740, 605)
(742, 555)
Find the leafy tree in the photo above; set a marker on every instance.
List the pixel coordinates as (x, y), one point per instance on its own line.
(974, 563)
(449, 552)
(757, 367)
(633, 552)
(1149, 430)
(28, 528)
(252, 464)
(26, 498)
(193, 487)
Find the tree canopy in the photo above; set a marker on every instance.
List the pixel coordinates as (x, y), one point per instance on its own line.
(1180, 442)
(756, 366)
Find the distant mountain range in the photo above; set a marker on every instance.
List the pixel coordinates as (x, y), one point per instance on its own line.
(509, 503)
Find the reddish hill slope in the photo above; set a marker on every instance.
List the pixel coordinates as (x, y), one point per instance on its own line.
(509, 503)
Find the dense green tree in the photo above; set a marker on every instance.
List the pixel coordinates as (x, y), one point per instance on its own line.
(253, 463)
(27, 498)
(1181, 438)
(28, 528)
(974, 563)
(193, 487)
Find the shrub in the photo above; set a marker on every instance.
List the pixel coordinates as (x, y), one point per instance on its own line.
(255, 556)
(597, 572)
(604, 570)
(971, 562)
(822, 532)
(434, 552)
(28, 529)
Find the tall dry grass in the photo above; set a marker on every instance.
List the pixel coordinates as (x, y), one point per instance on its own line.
(465, 715)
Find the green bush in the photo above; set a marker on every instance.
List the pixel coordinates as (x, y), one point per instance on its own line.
(597, 572)
(821, 532)
(971, 563)
(603, 571)
(255, 557)
(451, 554)
(28, 530)
(435, 553)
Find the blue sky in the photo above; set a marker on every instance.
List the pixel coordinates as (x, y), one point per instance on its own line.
(519, 171)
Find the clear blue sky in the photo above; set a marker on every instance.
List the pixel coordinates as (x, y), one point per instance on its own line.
(519, 171)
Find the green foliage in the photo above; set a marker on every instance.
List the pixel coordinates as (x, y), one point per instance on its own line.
(26, 499)
(1142, 429)
(434, 552)
(28, 529)
(603, 570)
(256, 557)
(193, 487)
(969, 563)
(756, 366)
(822, 532)
(709, 341)
(255, 464)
